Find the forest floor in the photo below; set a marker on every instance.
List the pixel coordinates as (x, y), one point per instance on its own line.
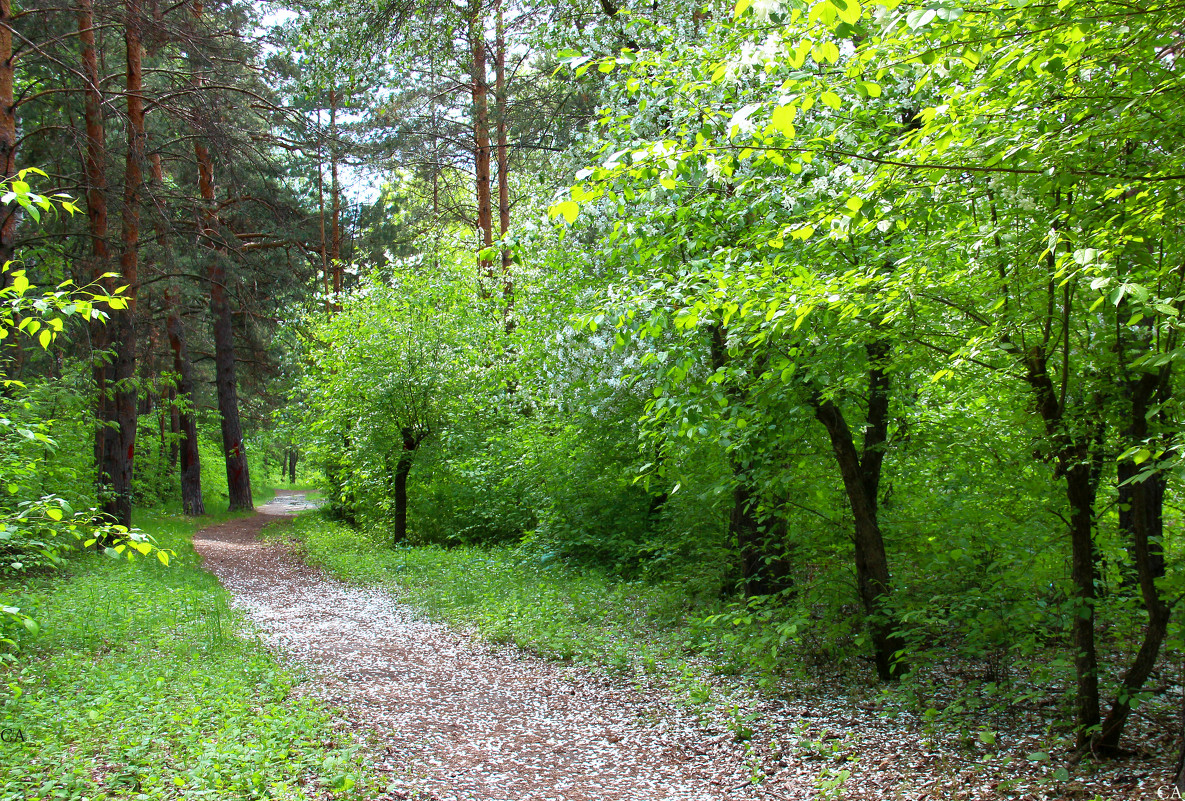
(447, 716)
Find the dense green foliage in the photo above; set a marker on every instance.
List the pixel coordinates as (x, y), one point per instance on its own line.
(866, 317)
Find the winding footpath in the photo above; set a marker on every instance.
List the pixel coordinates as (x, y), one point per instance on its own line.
(450, 717)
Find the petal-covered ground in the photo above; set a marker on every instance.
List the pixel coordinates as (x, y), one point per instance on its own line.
(457, 718)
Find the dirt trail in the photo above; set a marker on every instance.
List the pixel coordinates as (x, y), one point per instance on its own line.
(461, 719)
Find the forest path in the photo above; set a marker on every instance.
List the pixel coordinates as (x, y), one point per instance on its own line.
(456, 718)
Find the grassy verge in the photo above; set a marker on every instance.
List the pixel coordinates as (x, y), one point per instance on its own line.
(139, 687)
(555, 612)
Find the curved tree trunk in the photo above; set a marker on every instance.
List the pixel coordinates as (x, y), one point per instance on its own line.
(861, 481)
(1145, 519)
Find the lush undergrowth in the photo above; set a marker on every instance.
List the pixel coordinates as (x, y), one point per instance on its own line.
(139, 686)
(509, 595)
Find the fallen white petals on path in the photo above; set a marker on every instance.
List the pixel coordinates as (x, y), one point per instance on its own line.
(449, 717)
(462, 719)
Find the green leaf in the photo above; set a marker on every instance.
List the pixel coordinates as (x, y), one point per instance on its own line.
(854, 203)
(568, 209)
(849, 10)
(831, 100)
(783, 120)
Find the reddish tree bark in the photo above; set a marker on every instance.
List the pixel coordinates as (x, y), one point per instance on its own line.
(8, 132)
(95, 176)
(503, 168)
(481, 144)
(121, 459)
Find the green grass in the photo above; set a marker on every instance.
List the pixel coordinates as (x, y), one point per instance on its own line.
(138, 686)
(509, 596)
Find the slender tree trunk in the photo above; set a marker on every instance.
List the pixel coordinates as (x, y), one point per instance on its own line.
(8, 132)
(185, 423)
(481, 146)
(121, 466)
(95, 176)
(402, 469)
(174, 427)
(324, 242)
(294, 455)
(238, 477)
(335, 242)
(1074, 460)
(1145, 520)
(860, 472)
(191, 466)
(9, 212)
(502, 112)
(763, 571)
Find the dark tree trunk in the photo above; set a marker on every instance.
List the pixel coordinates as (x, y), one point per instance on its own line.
(8, 132)
(95, 176)
(860, 472)
(238, 477)
(861, 481)
(1145, 525)
(1074, 462)
(293, 455)
(191, 465)
(1080, 493)
(122, 457)
(763, 570)
(402, 469)
(174, 429)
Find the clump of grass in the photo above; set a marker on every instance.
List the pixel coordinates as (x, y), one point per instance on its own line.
(509, 595)
(139, 686)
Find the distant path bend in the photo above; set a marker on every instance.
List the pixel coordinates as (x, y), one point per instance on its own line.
(462, 719)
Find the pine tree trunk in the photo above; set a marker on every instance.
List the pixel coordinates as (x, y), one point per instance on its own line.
(95, 176)
(508, 322)
(8, 132)
(122, 456)
(481, 146)
(238, 477)
(191, 466)
(174, 429)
